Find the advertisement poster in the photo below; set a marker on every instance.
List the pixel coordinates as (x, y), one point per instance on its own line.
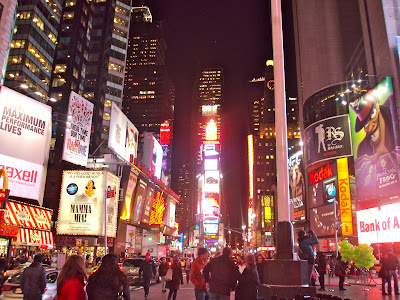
(113, 183)
(152, 154)
(128, 201)
(379, 224)
(139, 200)
(327, 139)
(81, 210)
(123, 138)
(323, 185)
(158, 208)
(374, 127)
(297, 187)
(24, 121)
(147, 203)
(77, 136)
(210, 206)
(346, 215)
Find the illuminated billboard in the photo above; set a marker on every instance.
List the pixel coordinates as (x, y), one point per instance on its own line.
(211, 183)
(158, 208)
(77, 133)
(322, 220)
(210, 206)
(152, 154)
(147, 203)
(374, 128)
(123, 136)
(323, 185)
(25, 133)
(165, 133)
(169, 218)
(211, 131)
(379, 224)
(82, 207)
(126, 212)
(346, 216)
(209, 110)
(211, 164)
(138, 202)
(297, 187)
(210, 150)
(210, 227)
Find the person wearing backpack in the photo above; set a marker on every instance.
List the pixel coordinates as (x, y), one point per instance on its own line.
(307, 251)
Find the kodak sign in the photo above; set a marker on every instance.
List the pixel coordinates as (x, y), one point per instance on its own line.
(321, 174)
(346, 215)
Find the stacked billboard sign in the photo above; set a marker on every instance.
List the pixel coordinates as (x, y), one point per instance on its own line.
(77, 134)
(297, 187)
(123, 139)
(82, 208)
(25, 132)
(152, 154)
(374, 128)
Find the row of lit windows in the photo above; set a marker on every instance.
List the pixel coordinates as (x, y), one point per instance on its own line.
(40, 57)
(116, 67)
(121, 21)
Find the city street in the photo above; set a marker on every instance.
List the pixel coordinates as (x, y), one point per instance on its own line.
(353, 291)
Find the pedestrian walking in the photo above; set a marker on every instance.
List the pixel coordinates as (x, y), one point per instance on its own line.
(33, 280)
(340, 271)
(221, 275)
(307, 251)
(108, 282)
(321, 261)
(196, 274)
(241, 264)
(260, 267)
(2, 264)
(162, 271)
(148, 269)
(188, 266)
(390, 264)
(247, 287)
(71, 281)
(177, 278)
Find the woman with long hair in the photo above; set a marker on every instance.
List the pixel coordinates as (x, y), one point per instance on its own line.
(247, 287)
(71, 281)
(177, 278)
(109, 282)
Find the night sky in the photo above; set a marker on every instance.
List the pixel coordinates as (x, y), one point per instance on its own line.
(235, 35)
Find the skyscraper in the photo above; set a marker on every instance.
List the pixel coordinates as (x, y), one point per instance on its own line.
(149, 94)
(7, 22)
(32, 49)
(184, 189)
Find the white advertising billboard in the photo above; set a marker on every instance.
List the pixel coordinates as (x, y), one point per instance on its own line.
(25, 133)
(379, 224)
(77, 134)
(82, 207)
(152, 154)
(211, 184)
(123, 138)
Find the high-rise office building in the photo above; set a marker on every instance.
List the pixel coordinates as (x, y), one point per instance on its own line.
(149, 94)
(7, 22)
(32, 48)
(184, 189)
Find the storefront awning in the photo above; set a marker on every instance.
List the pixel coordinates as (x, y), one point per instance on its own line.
(30, 237)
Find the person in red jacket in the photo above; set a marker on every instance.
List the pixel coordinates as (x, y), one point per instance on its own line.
(71, 281)
(196, 274)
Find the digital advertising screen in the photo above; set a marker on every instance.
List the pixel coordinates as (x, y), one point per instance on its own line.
(158, 208)
(210, 227)
(210, 206)
(140, 196)
(374, 128)
(322, 220)
(297, 187)
(152, 154)
(123, 137)
(147, 203)
(77, 135)
(210, 150)
(211, 164)
(126, 211)
(211, 183)
(323, 185)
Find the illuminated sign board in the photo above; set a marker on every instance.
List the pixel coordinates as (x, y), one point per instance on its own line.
(321, 220)
(211, 131)
(375, 135)
(165, 133)
(297, 187)
(128, 201)
(323, 185)
(211, 164)
(210, 206)
(251, 165)
(152, 154)
(77, 134)
(211, 183)
(210, 150)
(157, 209)
(123, 137)
(379, 224)
(209, 110)
(346, 215)
(210, 228)
(147, 203)
(25, 133)
(82, 207)
(140, 196)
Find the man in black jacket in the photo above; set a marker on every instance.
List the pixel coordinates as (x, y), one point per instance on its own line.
(221, 275)
(162, 271)
(148, 268)
(391, 264)
(33, 280)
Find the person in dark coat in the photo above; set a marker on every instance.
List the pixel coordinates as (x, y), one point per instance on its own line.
(162, 271)
(221, 275)
(340, 271)
(260, 267)
(307, 251)
(108, 282)
(177, 278)
(33, 280)
(321, 261)
(247, 287)
(390, 263)
(148, 268)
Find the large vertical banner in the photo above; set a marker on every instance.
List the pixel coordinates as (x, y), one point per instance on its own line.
(140, 196)
(374, 127)
(128, 201)
(112, 192)
(297, 187)
(25, 133)
(346, 215)
(147, 203)
(77, 135)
